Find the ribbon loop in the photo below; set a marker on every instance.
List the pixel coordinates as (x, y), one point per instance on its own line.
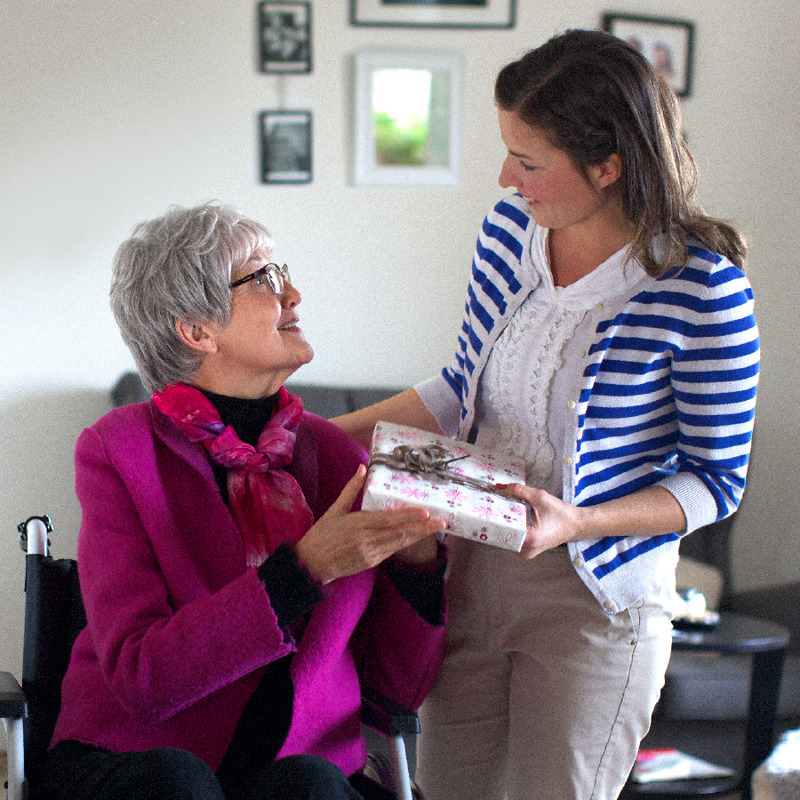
(428, 460)
(433, 461)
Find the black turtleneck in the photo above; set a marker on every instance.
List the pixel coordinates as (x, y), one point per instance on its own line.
(265, 720)
(246, 417)
(291, 591)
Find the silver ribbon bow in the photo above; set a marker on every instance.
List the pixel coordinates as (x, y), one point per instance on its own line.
(431, 461)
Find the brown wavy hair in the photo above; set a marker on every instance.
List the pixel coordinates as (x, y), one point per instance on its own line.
(594, 95)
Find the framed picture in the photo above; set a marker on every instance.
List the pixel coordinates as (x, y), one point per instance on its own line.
(407, 118)
(285, 146)
(667, 44)
(284, 36)
(434, 13)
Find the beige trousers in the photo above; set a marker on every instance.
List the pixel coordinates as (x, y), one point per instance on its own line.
(542, 695)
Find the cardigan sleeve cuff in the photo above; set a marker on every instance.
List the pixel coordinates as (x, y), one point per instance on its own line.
(697, 502)
(290, 589)
(440, 399)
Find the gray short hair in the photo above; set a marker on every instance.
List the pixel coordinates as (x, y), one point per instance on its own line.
(178, 267)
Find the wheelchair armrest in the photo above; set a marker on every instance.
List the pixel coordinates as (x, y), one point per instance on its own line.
(386, 716)
(13, 703)
(13, 710)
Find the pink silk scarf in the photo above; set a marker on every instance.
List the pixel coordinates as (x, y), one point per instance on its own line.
(266, 502)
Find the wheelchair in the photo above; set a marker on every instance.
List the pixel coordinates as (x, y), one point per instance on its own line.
(54, 616)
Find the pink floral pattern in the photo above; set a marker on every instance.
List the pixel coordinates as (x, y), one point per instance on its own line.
(469, 513)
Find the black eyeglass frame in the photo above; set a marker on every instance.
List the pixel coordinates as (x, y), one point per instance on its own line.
(274, 273)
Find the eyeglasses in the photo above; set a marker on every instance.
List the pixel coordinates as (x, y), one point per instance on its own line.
(276, 276)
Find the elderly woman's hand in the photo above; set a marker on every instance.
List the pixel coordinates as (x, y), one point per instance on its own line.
(345, 542)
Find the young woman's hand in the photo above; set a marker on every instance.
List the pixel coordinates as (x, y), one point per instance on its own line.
(552, 521)
(345, 542)
(646, 512)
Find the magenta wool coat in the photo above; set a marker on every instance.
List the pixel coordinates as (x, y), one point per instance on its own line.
(180, 631)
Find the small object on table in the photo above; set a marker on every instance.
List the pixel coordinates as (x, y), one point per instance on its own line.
(669, 764)
(691, 611)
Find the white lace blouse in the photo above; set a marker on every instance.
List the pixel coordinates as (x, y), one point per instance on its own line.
(524, 391)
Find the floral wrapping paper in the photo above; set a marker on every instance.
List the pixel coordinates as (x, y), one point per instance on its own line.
(472, 513)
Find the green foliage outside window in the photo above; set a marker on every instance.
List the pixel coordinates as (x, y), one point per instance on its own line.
(397, 145)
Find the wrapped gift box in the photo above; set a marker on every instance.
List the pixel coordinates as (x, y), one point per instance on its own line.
(453, 480)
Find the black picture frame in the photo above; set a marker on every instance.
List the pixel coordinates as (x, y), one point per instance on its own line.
(286, 146)
(284, 36)
(668, 44)
(434, 13)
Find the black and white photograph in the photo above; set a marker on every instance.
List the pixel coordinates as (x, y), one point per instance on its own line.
(285, 37)
(434, 13)
(285, 146)
(667, 44)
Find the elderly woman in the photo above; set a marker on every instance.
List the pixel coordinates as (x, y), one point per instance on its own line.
(235, 602)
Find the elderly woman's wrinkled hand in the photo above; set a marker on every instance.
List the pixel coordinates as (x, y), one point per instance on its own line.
(345, 542)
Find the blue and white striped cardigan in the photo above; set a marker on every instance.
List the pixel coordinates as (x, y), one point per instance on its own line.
(666, 394)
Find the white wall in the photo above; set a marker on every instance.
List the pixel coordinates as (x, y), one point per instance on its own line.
(109, 112)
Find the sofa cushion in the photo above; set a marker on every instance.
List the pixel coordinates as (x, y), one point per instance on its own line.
(326, 401)
(331, 401)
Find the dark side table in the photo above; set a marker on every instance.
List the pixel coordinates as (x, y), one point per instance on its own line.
(766, 642)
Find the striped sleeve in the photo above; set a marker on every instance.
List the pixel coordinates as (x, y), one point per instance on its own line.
(493, 280)
(672, 392)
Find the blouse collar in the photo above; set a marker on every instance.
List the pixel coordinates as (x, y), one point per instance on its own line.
(611, 278)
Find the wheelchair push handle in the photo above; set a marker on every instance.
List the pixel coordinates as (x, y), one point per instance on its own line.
(33, 535)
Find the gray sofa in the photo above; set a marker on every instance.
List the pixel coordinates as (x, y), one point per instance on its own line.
(699, 687)
(327, 401)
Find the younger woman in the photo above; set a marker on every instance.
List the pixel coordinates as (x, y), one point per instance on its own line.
(609, 340)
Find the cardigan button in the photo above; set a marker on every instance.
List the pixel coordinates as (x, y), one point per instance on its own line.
(572, 405)
(608, 605)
